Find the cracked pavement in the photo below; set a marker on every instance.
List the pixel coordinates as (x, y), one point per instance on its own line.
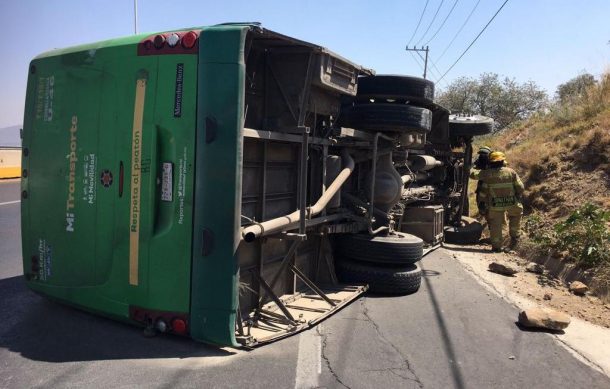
(451, 334)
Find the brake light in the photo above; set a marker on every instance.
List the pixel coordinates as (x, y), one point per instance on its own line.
(159, 41)
(179, 326)
(189, 39)
(161, 321)
(179, 42)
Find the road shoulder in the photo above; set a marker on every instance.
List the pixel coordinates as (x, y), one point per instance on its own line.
(587, 341)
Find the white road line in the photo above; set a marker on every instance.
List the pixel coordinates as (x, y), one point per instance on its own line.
(309, 361)
(11, 202)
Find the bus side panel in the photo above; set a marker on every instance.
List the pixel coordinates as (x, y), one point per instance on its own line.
(218, 184)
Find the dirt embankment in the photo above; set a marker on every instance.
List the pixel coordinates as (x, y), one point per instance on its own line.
(563, 157)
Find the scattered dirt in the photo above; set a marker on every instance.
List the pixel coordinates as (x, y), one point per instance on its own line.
(535, 286)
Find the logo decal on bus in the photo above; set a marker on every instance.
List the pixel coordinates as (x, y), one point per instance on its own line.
(72, 158)
(178, 91)
(106, 178)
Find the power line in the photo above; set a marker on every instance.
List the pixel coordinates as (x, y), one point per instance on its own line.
(438, 72)
(430, 25)
(459, 31)
(418, 23)
(443, 23)
(475, 39)
(418, 50)
(416, 61)
(423, 68)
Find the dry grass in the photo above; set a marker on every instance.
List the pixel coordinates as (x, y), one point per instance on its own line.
(547, 147)
(563, 157)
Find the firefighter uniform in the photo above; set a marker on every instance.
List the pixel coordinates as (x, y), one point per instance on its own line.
(503, 189)
(482, 163)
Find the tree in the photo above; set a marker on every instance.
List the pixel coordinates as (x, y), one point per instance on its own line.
(574, 88)
(505, 100)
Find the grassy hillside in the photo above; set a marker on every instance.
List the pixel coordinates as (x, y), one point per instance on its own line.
(563, 157)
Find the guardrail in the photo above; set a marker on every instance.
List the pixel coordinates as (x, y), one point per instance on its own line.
(10, 162)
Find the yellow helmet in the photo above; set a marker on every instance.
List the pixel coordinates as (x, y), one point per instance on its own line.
(497, 156)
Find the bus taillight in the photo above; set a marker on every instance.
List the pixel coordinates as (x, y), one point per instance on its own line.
(159, 41)
(189, 39)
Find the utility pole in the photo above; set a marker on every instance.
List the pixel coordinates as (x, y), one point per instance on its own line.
(135, 16)
(425, 61)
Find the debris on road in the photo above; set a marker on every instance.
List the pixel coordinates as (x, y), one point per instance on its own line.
(543, 318)
(535, 268)
(512, 358)
(535, 286)
(502, 268)
(578, 288)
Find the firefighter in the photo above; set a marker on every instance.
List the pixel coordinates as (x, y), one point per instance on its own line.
(503, 190)
(482, 163)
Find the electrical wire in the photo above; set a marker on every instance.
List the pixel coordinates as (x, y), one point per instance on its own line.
(418, 23)
(430, 25)
(438, 72)
(475, 39)
(459, 31)
(443, 23)
(416, 61)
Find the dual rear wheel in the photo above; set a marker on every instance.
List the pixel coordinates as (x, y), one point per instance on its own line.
(386, 263)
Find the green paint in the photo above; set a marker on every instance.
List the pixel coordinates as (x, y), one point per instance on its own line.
(87, 252)
(218, 184)
(78, 122)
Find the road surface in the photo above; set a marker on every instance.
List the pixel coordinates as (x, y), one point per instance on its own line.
(451, 334)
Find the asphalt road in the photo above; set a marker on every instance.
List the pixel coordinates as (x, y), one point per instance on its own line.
(451, 334)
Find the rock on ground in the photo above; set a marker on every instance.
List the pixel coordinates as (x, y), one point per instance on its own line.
(578, 288)
(502, 268)
(534, 267)
(542, 318)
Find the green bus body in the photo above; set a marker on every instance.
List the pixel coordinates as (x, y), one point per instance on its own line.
(107, 128)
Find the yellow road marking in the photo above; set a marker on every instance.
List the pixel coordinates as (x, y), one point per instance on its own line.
(10, 172)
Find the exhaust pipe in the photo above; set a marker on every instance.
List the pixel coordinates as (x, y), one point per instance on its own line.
(268, 227)
(424, 162)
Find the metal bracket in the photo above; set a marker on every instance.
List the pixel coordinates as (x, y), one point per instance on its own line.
(289, 236)
(269, 291)
(311, 285)
(268, 288)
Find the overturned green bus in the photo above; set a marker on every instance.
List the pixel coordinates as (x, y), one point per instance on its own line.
(230, 183)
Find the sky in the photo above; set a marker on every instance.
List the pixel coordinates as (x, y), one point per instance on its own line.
(546, 41)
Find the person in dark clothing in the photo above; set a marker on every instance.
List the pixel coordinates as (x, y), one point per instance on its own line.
(482, 163)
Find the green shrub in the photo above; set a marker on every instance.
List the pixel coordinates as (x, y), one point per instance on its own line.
(585, 235)
(538, 231)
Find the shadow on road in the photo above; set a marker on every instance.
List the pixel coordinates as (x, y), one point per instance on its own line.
(42, 330)
(467, 249)
(429, 273)
(531, 329)
(446, 337)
